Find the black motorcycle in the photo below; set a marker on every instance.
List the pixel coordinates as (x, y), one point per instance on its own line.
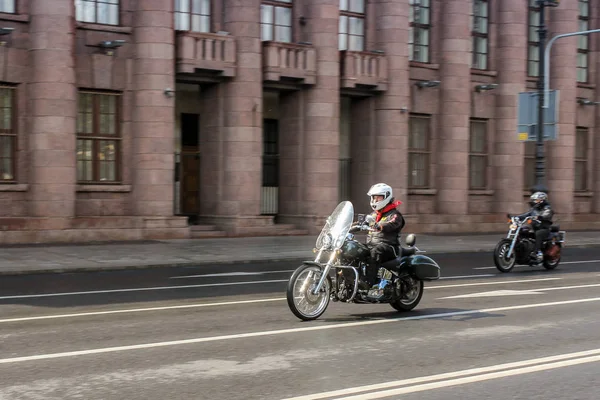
(519, 245)
(311, 286)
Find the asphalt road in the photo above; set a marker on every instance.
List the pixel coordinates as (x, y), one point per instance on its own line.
(225, 332)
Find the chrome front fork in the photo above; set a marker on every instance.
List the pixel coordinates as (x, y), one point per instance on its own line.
(325, 271)
(514, 241)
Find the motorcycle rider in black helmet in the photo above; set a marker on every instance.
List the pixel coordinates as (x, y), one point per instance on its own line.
(542, 213)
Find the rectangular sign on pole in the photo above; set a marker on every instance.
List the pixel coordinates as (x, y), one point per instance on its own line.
(527, 116)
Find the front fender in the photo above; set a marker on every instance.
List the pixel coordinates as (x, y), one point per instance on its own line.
(421, 267)
(316, 264)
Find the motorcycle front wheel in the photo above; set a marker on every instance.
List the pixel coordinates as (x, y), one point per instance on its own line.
(504, 264)
(301, 300)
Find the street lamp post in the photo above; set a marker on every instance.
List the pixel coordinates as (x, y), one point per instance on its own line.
(540, 185)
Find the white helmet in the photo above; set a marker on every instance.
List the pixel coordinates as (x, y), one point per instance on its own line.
(380, 189)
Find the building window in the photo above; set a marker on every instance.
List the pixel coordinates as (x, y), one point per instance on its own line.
(352, 25)
(478, 155)
(581, 159)
(418, 151)
(192, 15)
(583, 44)
(7, 6)
(276, 20)
(479, 31)
(418, 35)
(98, 137)
(529, 179)
(98, 11)
(533, 59)
(8, 135)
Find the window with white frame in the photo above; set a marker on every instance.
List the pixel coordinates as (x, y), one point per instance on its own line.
(97, 11)
(480, 32)
(583, 44)
(581, 159)
(418, 35)
(7, 6)
(352, 25)
(533, 59)
(192, 15)
(419, 151)
(276, 20)
(478, 155)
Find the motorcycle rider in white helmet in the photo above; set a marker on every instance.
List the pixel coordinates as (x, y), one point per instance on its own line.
(383, 239)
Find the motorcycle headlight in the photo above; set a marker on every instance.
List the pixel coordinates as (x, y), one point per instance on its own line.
(513, 226)
(327, 240)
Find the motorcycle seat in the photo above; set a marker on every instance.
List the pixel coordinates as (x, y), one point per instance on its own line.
(404, 252)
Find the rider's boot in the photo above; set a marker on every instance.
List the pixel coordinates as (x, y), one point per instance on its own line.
(539, 257)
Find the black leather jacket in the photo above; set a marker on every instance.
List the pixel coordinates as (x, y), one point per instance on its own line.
(387, 226)
(544, 215)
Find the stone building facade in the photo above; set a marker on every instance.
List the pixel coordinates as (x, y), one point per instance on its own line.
(140, 119)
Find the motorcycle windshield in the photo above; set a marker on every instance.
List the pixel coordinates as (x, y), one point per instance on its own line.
(336, 227)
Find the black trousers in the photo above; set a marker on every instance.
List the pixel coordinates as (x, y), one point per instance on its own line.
(380, 253)
(541, 235)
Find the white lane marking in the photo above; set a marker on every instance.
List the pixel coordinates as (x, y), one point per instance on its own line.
(133, 310)
(450, 375)
(27, 296)
(284, 331)
(467, 276)
(562, 262)
(74, 315)
(494, 293)
(518, 292)
(472, 379)
(231, 274)
(492, 283)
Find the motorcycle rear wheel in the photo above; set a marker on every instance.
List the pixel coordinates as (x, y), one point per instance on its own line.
(552, 264)
(502, 263)
(411, 299)
(301, 301)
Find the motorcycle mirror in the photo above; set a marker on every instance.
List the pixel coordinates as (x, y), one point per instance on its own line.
(360, 218)
(411, 239)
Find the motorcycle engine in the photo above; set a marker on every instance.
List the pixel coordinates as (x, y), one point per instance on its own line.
(524, 249)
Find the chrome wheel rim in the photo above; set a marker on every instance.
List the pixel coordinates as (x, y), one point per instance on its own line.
(306, 302)
(413, 292)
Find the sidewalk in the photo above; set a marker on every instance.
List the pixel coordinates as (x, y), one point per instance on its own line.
(171, 253)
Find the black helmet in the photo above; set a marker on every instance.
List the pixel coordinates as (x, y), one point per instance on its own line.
(538, 199)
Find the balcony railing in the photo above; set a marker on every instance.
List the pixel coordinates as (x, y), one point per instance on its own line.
(367, 70)
(289, 61)
(206, 51)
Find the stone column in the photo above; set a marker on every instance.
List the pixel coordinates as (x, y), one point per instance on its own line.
(560, 168)
(391, 158)
(453, 132)
(322, 110)
(153, 125)
(508, 152)
(52, 109)
(242, 132)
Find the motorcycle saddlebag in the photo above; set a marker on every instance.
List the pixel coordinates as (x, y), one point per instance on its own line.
(425, 268)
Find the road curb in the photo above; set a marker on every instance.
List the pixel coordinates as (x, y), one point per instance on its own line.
(62, 270)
